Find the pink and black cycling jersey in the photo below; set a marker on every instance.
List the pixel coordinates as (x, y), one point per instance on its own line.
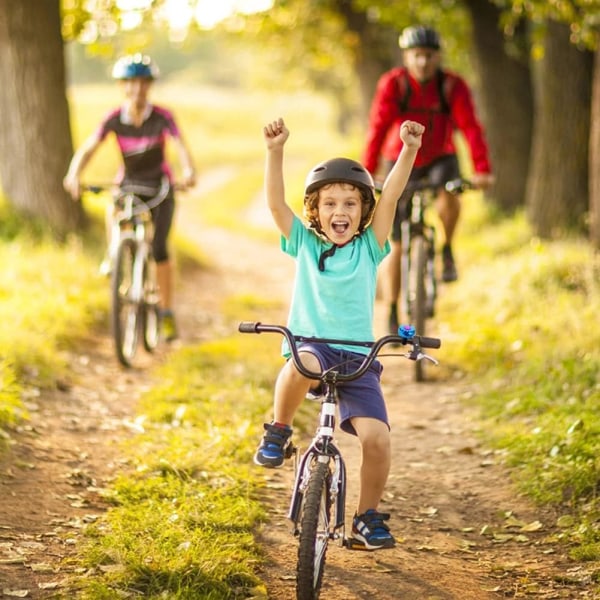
(142, 148)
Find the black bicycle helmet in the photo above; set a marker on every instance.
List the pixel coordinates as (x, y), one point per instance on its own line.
(339, 170)
(419, 36)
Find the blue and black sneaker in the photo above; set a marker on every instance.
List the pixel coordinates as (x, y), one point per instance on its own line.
(274, 447)
(370, 529)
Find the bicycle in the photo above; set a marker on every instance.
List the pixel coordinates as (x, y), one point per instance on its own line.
(419, 290)
(317, 507)
(134, 289)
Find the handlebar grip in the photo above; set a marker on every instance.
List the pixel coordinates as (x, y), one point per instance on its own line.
(248, 327)
(429, 342)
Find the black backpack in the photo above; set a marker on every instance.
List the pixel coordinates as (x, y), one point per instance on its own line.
(444, 86)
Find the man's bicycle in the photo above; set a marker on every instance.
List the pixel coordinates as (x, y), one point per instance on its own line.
(134, 291)
(317, 508)
(418, 290)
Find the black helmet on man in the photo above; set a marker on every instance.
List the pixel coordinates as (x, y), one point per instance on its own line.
(135, 65)
(419, 36)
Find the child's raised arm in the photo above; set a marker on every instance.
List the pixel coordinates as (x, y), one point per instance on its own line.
(276, 135)
(411, 133)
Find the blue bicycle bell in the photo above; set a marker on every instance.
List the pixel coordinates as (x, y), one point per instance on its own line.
(406, 331)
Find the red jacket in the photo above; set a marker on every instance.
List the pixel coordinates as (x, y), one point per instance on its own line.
(424, 106)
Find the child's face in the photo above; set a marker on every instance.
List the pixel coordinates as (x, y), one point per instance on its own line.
(340, 211)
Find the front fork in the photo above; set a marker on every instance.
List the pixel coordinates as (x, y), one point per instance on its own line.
(322, 449)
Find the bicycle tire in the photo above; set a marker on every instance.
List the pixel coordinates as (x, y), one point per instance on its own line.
(125, 311)
(150, 310)
(314, 533)
(419, 305)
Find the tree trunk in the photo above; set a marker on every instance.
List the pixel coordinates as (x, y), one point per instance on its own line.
(506, 100)
(594, 163)
(376, 51)
(35, 137)
(557, 189)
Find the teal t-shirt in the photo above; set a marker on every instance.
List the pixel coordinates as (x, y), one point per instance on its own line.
(339, 301)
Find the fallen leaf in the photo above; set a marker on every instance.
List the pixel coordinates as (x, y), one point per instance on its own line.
(533, 526)
(16, 593)
(42, 568)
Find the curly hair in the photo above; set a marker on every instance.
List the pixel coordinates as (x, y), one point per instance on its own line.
(311, 205)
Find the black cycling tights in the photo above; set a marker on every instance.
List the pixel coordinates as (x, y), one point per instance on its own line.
(162, 217)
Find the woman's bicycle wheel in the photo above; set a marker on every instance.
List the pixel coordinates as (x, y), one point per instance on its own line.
(125, 308)
(314, 533)
(150, 310)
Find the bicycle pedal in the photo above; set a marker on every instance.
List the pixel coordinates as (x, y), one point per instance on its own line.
(290, 451)
(353, 544)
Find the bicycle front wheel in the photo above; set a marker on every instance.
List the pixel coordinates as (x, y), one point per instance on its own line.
(150, 311)
(125, 307)
(314, 533)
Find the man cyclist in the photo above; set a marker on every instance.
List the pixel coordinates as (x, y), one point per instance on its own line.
(141, 130)
(424, 92)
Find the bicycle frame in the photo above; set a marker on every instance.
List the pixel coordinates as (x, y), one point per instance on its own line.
(418, 291)
(323, 449)
(134, 310)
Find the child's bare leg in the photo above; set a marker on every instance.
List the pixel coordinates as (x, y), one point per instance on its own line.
(291, 388)
(374, 438)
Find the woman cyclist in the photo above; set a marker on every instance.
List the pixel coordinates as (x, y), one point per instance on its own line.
(141, 130)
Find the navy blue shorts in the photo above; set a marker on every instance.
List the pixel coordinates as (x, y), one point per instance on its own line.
(359, 398)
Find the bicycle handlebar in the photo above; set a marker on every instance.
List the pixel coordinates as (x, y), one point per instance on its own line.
(459, 185)
(135, 191)
(416, 341)
(454, 186)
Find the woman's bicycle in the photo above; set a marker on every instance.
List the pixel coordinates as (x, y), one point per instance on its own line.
(317, 508)
(134, 291)
(418, 291)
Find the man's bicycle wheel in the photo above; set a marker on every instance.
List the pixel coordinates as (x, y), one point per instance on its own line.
(314, 533)
(419, 300)
(125, 307)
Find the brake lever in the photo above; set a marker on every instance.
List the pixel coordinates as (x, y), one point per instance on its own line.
(423, 356)
(416, 354)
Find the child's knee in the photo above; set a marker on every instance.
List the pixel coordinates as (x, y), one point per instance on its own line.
(376, 446)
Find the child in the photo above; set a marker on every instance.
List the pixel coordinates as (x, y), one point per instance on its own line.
(334, 296)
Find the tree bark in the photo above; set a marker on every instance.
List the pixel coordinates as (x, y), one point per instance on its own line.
(557, 189)
(594, 164)
(506, 101)
(35, 137)
(375, 52)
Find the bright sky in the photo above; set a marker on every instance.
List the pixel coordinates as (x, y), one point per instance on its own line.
(210, 12)
(207, 13)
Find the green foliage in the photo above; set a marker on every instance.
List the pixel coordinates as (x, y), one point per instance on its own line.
(51, 294)
(11, 408)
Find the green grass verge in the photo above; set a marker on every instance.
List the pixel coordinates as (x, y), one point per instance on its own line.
(50, 297)
(184, 515)
(521, 324)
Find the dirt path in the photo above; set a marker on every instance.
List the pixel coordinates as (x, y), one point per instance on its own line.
(463, 531)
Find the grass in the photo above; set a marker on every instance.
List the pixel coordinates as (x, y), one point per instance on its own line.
(50, 298)
(185, 511)
(522, 325)
(520, 328)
